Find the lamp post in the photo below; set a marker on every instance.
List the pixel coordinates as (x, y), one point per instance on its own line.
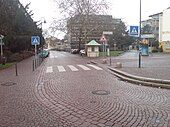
(140, 34)
(42, 21)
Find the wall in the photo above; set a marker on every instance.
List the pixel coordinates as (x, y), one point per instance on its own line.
(166, 25)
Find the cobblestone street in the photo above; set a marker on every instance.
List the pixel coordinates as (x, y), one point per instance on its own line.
(74, 94)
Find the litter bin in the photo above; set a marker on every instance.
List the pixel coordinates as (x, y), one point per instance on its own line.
(3, 60)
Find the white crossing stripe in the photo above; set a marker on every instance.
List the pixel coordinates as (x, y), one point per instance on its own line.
(49, 69)
(52, 56)
(95, 67)
(61, 69)
(72, 68)
(84, 67)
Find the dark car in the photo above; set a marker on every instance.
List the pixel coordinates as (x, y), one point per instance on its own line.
(43, 54)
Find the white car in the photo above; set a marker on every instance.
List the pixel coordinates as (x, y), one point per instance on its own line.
(82, 52)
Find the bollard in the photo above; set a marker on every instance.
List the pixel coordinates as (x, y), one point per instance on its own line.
(118, 65)
(110, 61)
(33, 65)
(16, 69)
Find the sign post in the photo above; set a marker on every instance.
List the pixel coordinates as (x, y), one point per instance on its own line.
(35, 40)
(104, 41)
(136, 32)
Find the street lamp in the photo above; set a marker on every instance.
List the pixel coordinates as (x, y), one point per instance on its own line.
(140, 33)
(42, 21)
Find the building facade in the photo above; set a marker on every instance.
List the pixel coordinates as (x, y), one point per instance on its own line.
(164, 37)
(82, 29)
(153, 25)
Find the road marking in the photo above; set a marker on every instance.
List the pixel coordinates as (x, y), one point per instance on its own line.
(95, 67)
(52, 56)
(72, 68)
(84, 67)
(61, 69)
(49, 69)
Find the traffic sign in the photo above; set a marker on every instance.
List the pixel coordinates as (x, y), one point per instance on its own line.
(134, 30)
(1, 36)
(35, 40)
(103, 39)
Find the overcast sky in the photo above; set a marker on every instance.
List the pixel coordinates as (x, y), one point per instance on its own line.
(127, 10)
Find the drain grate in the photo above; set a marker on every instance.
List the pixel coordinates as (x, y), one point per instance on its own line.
(8, 84)
(101, 92)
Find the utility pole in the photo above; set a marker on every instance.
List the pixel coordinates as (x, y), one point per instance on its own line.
(140, 33)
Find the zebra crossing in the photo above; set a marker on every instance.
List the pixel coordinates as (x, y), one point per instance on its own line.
(73, 68)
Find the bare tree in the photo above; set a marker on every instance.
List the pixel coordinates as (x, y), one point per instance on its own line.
(81, 9)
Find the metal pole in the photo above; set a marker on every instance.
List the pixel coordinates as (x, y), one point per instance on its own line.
(1, 47)
(35, 50)
(16, 69)
(110, 61)
(140, 33)
(33, 65)
(103, 49)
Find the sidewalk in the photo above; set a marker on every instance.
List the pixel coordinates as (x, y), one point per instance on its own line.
(156, 66)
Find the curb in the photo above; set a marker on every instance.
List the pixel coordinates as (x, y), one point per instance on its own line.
(139, 80)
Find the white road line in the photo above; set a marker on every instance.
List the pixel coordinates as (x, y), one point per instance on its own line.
(49, 69)
(84, 67)
(51, 57)
(61, 69)
(72, 68)
(95, 67)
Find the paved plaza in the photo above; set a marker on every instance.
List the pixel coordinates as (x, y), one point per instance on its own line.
(84, 98)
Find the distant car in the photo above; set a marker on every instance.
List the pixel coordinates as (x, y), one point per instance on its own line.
(74, 51)
(44, 54)
(82, 52)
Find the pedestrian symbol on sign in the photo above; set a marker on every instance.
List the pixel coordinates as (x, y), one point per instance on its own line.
(35, 40)
(134, 30)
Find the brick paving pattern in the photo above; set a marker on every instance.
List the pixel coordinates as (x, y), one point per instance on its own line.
(41, 99)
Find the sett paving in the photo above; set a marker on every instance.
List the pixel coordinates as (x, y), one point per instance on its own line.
(66, 99)
(155, 66)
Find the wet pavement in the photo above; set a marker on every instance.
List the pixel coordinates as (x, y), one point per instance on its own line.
(66, 91)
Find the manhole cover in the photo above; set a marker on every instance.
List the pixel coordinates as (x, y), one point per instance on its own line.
(8, 84)
(101, 92)
(157, 120)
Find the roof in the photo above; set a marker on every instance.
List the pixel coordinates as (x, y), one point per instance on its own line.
(93, 43)
(157, 14)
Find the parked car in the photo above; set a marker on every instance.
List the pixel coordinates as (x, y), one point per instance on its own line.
(74, 51)
(44, 54)
(82, 52)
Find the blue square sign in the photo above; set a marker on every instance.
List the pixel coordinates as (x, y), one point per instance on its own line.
(134, 30)
(35, 40)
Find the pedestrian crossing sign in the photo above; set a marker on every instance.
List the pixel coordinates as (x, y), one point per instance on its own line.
(134, 30)
(35, 40)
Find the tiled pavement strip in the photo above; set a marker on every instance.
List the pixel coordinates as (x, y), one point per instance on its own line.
(156, 66)
(39, 101)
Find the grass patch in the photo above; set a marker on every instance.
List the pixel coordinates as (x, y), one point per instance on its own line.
(7, 65)
(112, 53)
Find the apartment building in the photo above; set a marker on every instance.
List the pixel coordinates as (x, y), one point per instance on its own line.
(164, 32)
(84, 28)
